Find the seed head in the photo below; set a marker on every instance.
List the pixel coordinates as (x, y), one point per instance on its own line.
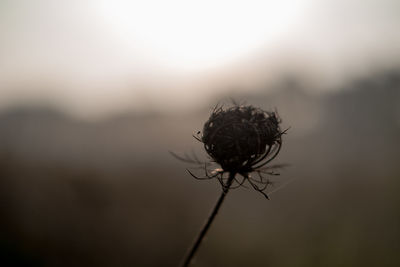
(241, 138)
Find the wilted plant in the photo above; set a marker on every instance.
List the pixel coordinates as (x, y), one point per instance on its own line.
(241, 140)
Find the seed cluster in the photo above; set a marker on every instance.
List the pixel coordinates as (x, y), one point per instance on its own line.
(241, 137)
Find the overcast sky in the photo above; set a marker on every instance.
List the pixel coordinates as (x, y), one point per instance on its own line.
(94, 57)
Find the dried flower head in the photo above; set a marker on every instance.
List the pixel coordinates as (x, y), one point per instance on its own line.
(241, 138)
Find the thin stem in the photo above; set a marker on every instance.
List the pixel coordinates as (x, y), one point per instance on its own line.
(203, 232)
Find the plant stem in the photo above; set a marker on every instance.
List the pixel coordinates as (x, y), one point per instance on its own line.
(203, 232)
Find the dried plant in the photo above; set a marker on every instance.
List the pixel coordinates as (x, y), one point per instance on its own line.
(242, 140)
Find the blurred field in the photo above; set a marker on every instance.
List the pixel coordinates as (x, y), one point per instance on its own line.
(107, 193)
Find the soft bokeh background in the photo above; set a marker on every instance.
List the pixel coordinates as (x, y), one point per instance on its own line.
(93, 95)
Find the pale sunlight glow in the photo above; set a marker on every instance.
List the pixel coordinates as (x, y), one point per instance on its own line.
(97, 57)
(196, 35)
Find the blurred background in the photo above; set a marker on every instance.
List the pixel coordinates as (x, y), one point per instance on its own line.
(93, 95)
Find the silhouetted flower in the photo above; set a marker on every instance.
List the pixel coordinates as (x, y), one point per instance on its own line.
(242, 140)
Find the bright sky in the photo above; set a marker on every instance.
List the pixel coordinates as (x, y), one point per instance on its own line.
(96, 56)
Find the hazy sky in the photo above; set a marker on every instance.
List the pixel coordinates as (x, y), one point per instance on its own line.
(98, 56)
